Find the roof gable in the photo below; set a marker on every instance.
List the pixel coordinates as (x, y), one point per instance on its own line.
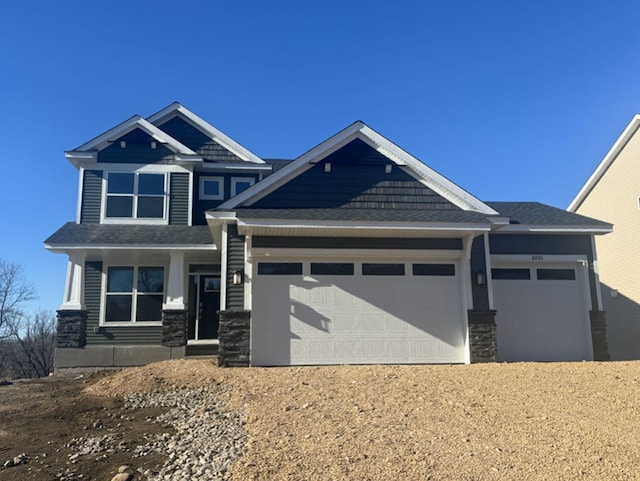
(354, 177)
(373, 148)
(164, 116)
(121, 130)
(606, 162)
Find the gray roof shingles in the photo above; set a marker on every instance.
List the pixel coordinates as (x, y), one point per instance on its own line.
(72, 234)
(535, 213)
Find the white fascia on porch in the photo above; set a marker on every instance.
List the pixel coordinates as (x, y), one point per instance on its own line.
(73, 289)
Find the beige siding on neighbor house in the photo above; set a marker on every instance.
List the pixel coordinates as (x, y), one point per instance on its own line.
(614, 199)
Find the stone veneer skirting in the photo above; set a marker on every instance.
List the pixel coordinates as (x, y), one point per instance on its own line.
(174, 328)
(483, 345)
(71, 331)
(233, 337)
(599, 336)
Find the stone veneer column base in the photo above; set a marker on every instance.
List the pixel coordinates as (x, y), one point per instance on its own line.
(483, 344)
(174, 328)
(599, 336)
(71, 331)
(233, 337)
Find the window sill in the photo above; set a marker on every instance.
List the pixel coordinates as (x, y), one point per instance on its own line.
(130, 324)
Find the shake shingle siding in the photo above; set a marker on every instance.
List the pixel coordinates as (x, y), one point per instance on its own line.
(354, 187)
(110, 335)
(197, 141)
(235, 261)
(179, 199)
(91, 197)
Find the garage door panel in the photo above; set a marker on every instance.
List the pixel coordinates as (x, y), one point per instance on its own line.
(357, 319)
(542, 320)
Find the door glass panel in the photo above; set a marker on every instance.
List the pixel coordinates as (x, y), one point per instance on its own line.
(556, 274)
(383, 269)
(331, 269)
(434, 269)
(511, 274)
(279, 268)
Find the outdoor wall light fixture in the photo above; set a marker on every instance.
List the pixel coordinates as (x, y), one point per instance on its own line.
(236, 280)
(480, 278)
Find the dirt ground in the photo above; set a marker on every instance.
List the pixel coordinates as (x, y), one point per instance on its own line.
(521, 421)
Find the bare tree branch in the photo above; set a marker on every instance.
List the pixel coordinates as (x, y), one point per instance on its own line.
(15, 291)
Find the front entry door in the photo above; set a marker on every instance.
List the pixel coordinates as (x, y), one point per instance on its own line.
(204, 303)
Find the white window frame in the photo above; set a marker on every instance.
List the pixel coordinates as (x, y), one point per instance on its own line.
(208, 178)
(236, 180)
(134, 294)
(134, 219)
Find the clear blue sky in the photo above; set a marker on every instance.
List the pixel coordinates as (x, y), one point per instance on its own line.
(511, 100)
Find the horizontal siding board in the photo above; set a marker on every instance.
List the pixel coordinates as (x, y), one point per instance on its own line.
(91, 197)
(356, 243)
(179, 199)
(235, 261)
(110, 335)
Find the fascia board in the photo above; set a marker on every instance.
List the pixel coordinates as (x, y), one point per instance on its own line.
(608, 159)
(78, 159)
(127, 126)
(551, 229)
(294, 168)
(208, 129)
(130, 247)
(297, 224)
(427, 175)
(216, 217)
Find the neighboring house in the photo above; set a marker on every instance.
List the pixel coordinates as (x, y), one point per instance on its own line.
(612, 193)
(355, 252)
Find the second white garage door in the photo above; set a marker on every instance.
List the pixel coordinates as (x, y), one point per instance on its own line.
(542, 313)
(307, 312)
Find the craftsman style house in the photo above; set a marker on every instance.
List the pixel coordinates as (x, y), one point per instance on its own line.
(613, 193)
(355, 252)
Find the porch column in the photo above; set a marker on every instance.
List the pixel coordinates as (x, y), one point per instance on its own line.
(73, 287)
(174, 314)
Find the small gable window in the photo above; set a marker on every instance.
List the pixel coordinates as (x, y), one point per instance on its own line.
(240, 184)
(211, 188)
(135, 196)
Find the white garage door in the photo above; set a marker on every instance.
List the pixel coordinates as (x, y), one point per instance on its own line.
(308, 312)
(542, 313)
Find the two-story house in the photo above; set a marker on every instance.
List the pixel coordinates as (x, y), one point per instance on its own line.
(355, 252)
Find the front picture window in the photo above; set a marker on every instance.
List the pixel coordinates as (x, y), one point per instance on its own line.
(126, 301)
(135, 196)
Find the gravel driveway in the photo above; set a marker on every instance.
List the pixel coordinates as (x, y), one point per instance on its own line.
(516, 421)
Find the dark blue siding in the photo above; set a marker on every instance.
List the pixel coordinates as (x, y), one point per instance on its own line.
(91, 197)
(356, 243)
(235, 261)
(201, 206)
(179, 199)
(137, 151)
(193, 138)
(357, 179)
(479, 293)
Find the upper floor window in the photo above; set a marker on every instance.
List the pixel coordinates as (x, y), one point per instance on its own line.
(135, 196)
(211, 188)
(240, 184)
